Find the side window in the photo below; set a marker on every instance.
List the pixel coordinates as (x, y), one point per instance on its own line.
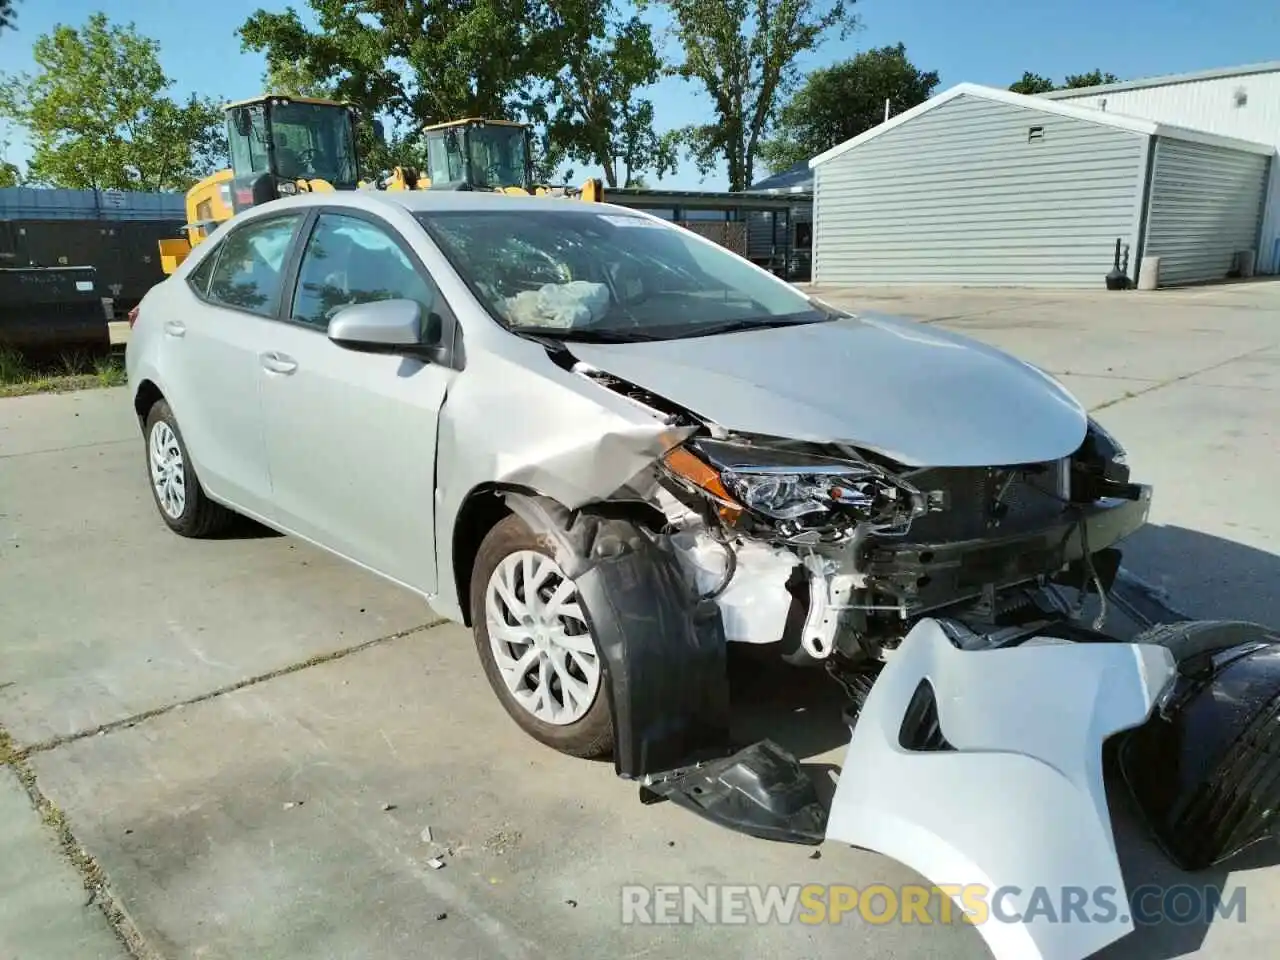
(250, 265)
(349, 260)
(199, 278)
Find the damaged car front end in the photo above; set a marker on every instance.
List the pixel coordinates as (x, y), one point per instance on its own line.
(920, 515)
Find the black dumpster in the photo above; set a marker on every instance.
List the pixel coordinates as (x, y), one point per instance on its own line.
(51, 310)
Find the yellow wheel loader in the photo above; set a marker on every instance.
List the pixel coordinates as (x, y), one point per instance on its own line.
(281, 146)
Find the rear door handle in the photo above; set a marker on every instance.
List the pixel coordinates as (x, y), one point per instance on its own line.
(175, 328)
(278, 362)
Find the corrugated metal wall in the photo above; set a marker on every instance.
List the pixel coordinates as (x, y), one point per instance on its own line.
(1206, 204)
(971, 192)
(1241, 106)
(37, 203)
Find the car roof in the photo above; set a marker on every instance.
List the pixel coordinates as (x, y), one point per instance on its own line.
(453, 201)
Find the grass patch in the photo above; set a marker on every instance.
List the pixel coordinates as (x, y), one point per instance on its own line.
(8, 749)
(21, 376)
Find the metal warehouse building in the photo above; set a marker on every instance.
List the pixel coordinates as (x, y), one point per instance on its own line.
(1232, 101)
(981, 186)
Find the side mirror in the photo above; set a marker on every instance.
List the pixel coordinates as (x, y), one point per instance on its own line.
(389, 326)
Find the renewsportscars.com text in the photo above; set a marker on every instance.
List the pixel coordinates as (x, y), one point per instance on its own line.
(926, 904)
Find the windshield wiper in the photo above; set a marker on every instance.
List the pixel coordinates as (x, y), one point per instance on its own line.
(756, 323)
(584, 335)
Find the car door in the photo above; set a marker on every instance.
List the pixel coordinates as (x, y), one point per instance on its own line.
(210, 357)
(351, 437)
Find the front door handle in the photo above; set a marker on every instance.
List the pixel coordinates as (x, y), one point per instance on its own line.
(278, 362)
(175, 328)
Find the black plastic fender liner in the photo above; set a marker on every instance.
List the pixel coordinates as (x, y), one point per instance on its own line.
(761, 791)
(663, 650)
(1205, 769)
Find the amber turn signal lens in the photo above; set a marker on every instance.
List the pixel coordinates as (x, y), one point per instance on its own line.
(684, 464)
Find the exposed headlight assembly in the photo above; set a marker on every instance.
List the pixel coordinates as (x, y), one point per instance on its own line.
(1109, 447)
(798, 490)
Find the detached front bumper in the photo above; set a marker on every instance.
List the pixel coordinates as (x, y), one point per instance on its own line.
(929, 575)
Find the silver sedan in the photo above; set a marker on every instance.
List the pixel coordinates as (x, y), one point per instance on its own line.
(418, 382)
(615, 449)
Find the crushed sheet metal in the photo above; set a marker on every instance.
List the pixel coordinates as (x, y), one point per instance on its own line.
(524, 422)
(663, 649)
(1019, 801)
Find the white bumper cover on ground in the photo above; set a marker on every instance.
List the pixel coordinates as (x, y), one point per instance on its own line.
(1018, 806)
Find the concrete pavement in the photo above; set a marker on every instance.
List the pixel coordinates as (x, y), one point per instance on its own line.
(249, 737)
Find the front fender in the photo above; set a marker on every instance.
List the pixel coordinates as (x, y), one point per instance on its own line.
(1001, 802)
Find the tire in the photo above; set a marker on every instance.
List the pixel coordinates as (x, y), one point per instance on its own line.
(585, 727)
(199, 516)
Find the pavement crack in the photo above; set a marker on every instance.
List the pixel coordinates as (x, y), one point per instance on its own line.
(90, 871)
(74, 446)
(1131, 394)
(15, 753)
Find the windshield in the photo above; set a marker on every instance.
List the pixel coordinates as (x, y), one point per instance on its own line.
(609, 276)
(497, 156)
(313, 140)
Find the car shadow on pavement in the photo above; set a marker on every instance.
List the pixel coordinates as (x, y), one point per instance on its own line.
(1202, 576)
(1173, 909)
(798, 708)
(1207, 576)
(242, 528)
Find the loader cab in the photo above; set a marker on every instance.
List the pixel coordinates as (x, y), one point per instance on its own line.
(476, 154)
(284, 145)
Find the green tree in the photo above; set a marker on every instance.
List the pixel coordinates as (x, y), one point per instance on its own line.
(1094, 78)
(595, 113)
(97, 114)
(295, 78)
(1033, 83)
(744, 53)
(839, 102)
(6, 14)
(569, 66)
(10, 175)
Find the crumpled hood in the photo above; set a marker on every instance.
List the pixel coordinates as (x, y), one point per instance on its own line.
(920, 395)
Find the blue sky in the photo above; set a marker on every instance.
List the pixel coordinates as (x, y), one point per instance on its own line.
(984, 41)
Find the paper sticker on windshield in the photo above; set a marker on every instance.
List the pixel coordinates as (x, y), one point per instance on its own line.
(84, 286)
(624, 221)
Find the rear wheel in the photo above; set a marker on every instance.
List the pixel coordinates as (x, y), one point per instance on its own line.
(535, 645)
(178, 495)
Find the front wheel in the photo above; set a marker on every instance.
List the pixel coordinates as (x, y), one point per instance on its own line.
(535, 645)
(179, 497)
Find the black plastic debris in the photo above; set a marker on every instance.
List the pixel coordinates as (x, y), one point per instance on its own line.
(1205, 769)
(761, 791)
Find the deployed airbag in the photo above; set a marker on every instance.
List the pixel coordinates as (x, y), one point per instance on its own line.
(561, 305)
(1007, 792)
